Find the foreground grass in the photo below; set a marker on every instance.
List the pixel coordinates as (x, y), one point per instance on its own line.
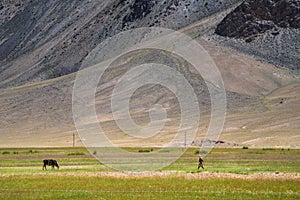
(81, 187)
(21, 176)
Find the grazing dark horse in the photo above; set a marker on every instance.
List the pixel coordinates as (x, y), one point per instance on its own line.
(50, 163)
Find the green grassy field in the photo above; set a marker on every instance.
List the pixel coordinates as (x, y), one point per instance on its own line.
(81, 176)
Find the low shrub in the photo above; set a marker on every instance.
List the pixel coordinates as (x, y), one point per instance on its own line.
(200, 152)
(268, 149)
(33, 151)
(144, 150)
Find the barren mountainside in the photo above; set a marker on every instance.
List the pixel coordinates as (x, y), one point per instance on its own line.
(42, 39)
(268, 29)
(43, 43)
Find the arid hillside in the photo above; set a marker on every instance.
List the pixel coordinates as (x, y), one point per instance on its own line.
(42, 39)
(43, 44)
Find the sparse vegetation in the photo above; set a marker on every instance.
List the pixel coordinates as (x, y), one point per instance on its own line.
(85, 184)
(76, 154)
(33, 151)
(268, 149)
(164, 150)
(144, 151)
(197, 152)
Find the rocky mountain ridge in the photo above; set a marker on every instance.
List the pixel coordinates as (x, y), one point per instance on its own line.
(267, 29)
(41, 39)
(257, 16)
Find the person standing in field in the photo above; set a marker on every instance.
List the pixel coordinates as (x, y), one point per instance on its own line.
(200, 162)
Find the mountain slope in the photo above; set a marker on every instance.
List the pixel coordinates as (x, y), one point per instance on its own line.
(267, 29)
(43, 110)
(43, 39)
(37, 74)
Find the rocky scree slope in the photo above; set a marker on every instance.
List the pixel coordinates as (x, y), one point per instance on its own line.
(268, 29)
(42, 39)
